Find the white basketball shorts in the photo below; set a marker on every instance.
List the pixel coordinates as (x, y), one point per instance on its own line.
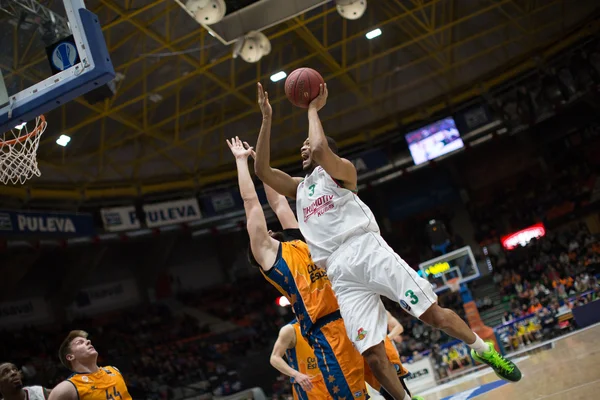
(365, 268)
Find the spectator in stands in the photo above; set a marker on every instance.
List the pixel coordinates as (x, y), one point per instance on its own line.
(507, 317)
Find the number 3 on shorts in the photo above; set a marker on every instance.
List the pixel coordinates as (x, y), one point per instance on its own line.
(413, 298)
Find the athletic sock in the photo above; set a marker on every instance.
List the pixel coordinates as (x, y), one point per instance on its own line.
(479, 345)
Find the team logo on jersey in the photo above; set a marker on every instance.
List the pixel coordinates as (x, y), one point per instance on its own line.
(318, 207)
(85, 378)
(361, 334)
(405, 305)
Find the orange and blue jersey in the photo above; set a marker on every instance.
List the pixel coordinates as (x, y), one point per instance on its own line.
(105, 384)
(305, 285)
(302, 359)
(309, 291)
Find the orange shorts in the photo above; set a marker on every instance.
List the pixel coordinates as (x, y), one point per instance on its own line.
(318, 391)
(394, 358)
(339, 361)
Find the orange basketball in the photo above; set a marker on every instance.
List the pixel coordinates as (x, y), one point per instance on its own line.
(302, 86)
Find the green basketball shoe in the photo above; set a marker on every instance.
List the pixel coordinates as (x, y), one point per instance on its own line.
(417, 398)
(504, 368)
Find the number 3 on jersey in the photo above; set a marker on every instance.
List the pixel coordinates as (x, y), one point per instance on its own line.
(311, 190)
(413, 298)
(113, 395)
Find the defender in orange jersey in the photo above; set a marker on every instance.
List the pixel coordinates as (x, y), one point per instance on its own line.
(301, 365)
(288, 266)
(88, 381)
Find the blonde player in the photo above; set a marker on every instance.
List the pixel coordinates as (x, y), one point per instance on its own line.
(88, 381)
(344, 239)
(301, 365)
(11, 385)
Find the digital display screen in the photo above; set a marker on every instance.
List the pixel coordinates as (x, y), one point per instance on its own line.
(434, 140)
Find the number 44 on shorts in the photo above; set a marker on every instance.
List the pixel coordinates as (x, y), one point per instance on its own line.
(412, 296)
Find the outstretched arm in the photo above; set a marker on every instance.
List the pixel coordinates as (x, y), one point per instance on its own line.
(277, 179)
(264, 248)
(64, 391)
(339, 168)
(395, 328)
(287, 340)
(281, 208)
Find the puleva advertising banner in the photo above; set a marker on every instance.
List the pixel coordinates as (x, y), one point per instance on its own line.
(46, 223)
(120, 218)
(171, 212)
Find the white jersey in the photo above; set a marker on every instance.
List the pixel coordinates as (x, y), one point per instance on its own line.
(34, 393)
(329, 214)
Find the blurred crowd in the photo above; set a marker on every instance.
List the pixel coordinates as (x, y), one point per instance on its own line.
(160, 351)
(533, 196)
(549, 270)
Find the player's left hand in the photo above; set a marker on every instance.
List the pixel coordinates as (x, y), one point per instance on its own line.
(238, 149)
(320, 101)
(252, 152)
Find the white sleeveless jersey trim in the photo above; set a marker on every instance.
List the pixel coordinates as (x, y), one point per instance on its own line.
(34, 393)
(329, 214)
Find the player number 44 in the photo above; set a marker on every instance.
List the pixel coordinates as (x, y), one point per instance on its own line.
(411, 295)
(115, 393)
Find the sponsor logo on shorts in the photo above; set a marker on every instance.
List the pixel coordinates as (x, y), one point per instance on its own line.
(361, 334)
(358, 394)
(405, 305)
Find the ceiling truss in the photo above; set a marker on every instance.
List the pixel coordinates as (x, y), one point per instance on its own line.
(428, 31)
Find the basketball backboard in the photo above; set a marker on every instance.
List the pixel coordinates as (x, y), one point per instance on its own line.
(72, 59)
(457, 264)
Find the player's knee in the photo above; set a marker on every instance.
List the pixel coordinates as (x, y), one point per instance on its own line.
(437, 317)
(376, 357)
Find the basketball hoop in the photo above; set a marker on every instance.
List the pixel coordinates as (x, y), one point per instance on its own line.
(18, 151)
(453, 284)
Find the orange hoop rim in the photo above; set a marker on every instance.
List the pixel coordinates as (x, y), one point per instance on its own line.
(39, 127)
(453, 284)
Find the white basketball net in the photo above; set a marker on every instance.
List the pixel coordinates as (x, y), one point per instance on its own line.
(454, 285)
(18, 151)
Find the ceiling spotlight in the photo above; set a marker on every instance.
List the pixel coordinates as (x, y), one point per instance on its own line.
(278, 76)
(63, 140)
(207, 12)
(252, 47)
(352, 10)
(373, 34)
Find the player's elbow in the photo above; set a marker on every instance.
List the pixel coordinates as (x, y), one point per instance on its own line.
(261, 167)
(250, 200)
(273, 361)
(319, 150)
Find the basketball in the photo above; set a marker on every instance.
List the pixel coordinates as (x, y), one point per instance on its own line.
(302, 86)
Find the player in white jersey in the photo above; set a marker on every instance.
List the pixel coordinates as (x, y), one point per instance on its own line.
(344, 238)
(11, 385)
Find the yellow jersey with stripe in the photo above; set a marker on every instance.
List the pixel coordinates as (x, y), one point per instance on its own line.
(105, 384)
(302, 357)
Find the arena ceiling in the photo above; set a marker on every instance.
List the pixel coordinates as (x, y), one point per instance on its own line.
(182, 93)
